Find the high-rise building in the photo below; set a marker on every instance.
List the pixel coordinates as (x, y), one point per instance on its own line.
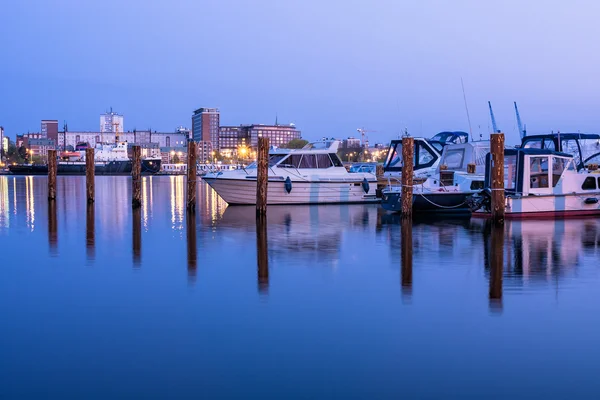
(2, 142)
(205, 126)
(110, 122)
(50, 129)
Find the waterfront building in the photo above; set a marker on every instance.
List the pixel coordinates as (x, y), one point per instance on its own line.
(111, 122)
(2, 150)
(39, 147)
(23, 140)
(50, 129)
(5, 143)
(205, 126)
(232, 138)
(351, 143)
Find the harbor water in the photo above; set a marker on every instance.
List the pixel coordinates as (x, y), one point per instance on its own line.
(337, 301)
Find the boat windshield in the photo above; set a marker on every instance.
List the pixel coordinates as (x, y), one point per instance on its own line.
(394, 157)
(370, 168)
(273, 159)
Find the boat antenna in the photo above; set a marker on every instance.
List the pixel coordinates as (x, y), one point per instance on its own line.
(466, 108)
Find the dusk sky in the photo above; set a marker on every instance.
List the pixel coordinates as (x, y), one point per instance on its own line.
(328, 66)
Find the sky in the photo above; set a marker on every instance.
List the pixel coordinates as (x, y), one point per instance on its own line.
(328, 66)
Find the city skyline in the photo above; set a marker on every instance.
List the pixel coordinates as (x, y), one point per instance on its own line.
(331, 67)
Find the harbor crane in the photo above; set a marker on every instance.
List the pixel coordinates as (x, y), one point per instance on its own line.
(522, 129)
(362, 131)
(116, 125)
(494, 126)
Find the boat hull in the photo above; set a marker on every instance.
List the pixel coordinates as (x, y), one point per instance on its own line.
(149, 167)
(551, 206)
(438, 202)
(243, 191)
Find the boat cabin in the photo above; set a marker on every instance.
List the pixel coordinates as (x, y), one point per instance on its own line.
(456, 157)
(585, 147)
(426, 157)
(530, 172)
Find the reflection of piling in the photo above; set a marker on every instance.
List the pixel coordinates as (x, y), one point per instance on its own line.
(136, 177)
(497, 178)
(406, 245)
(191, 244)
(407, 176)
(52, 167)
(90, 232)
(262, 256)
(262, 176)
(89, 175)
(496, 266)
(191, 176)
(52, 226)
(137, 236)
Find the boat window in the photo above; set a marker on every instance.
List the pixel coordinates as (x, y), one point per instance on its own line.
(589, 183)
(323, 161)
(549, 144)
(558, 166)
(292, 161)
(394, 157)
(538, 172)
(275, 158)
(533, 144)
(589, 147)
(510, 172)
(336, 160)
(453, 159)
(424, 156)
(570, 146)
(308, 161)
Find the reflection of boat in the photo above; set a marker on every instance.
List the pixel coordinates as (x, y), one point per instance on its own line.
(311, 175)
(543, 183)
(109, 159)
(452, 184)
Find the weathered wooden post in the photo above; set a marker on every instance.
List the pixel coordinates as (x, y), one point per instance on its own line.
(262, 255)
(136, 177)
(90, 173)
(191, 176)
(52, 167)
(497, 178)
(52, 227)
(262, 176)
(90, 232)
(406, 246)
(407, 176)
(192, 252)
(496, 266)
(137, 236)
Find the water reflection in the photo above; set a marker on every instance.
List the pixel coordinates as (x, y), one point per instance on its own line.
(4, 203)
(407, 259)
(90, 232)
(262, 256)
(52, 228)
(192, 249)
(177, 201)
(496, 267)
(137, 236)
(30, 202)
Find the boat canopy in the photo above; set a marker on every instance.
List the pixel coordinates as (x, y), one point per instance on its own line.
(585, 147)
(425, 155)
(456, 156)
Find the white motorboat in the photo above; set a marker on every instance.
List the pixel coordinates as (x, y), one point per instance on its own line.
(311, 175)
(543, 183)
(453, 182)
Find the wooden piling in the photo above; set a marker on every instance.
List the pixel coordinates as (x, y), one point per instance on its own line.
(90, 174)
(191, 176)
(262, 255)
(90, 232)
(262, 176)
(497, 178)
(136, 177)
(52, 168)
(137, 236)
(407, 176)
(496, 266)
(406, 247)
(192, 252)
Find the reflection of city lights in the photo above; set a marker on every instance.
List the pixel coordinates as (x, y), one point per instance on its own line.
(145, 202)
(15, 195)
(4, 206)
(177, 201)
(29, 202)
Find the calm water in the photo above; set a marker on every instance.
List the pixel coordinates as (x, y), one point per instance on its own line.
(104, 302)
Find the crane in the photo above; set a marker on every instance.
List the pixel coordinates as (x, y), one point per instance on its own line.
(494, 126)
(362, 137)
(116, 125)
(522, 130)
